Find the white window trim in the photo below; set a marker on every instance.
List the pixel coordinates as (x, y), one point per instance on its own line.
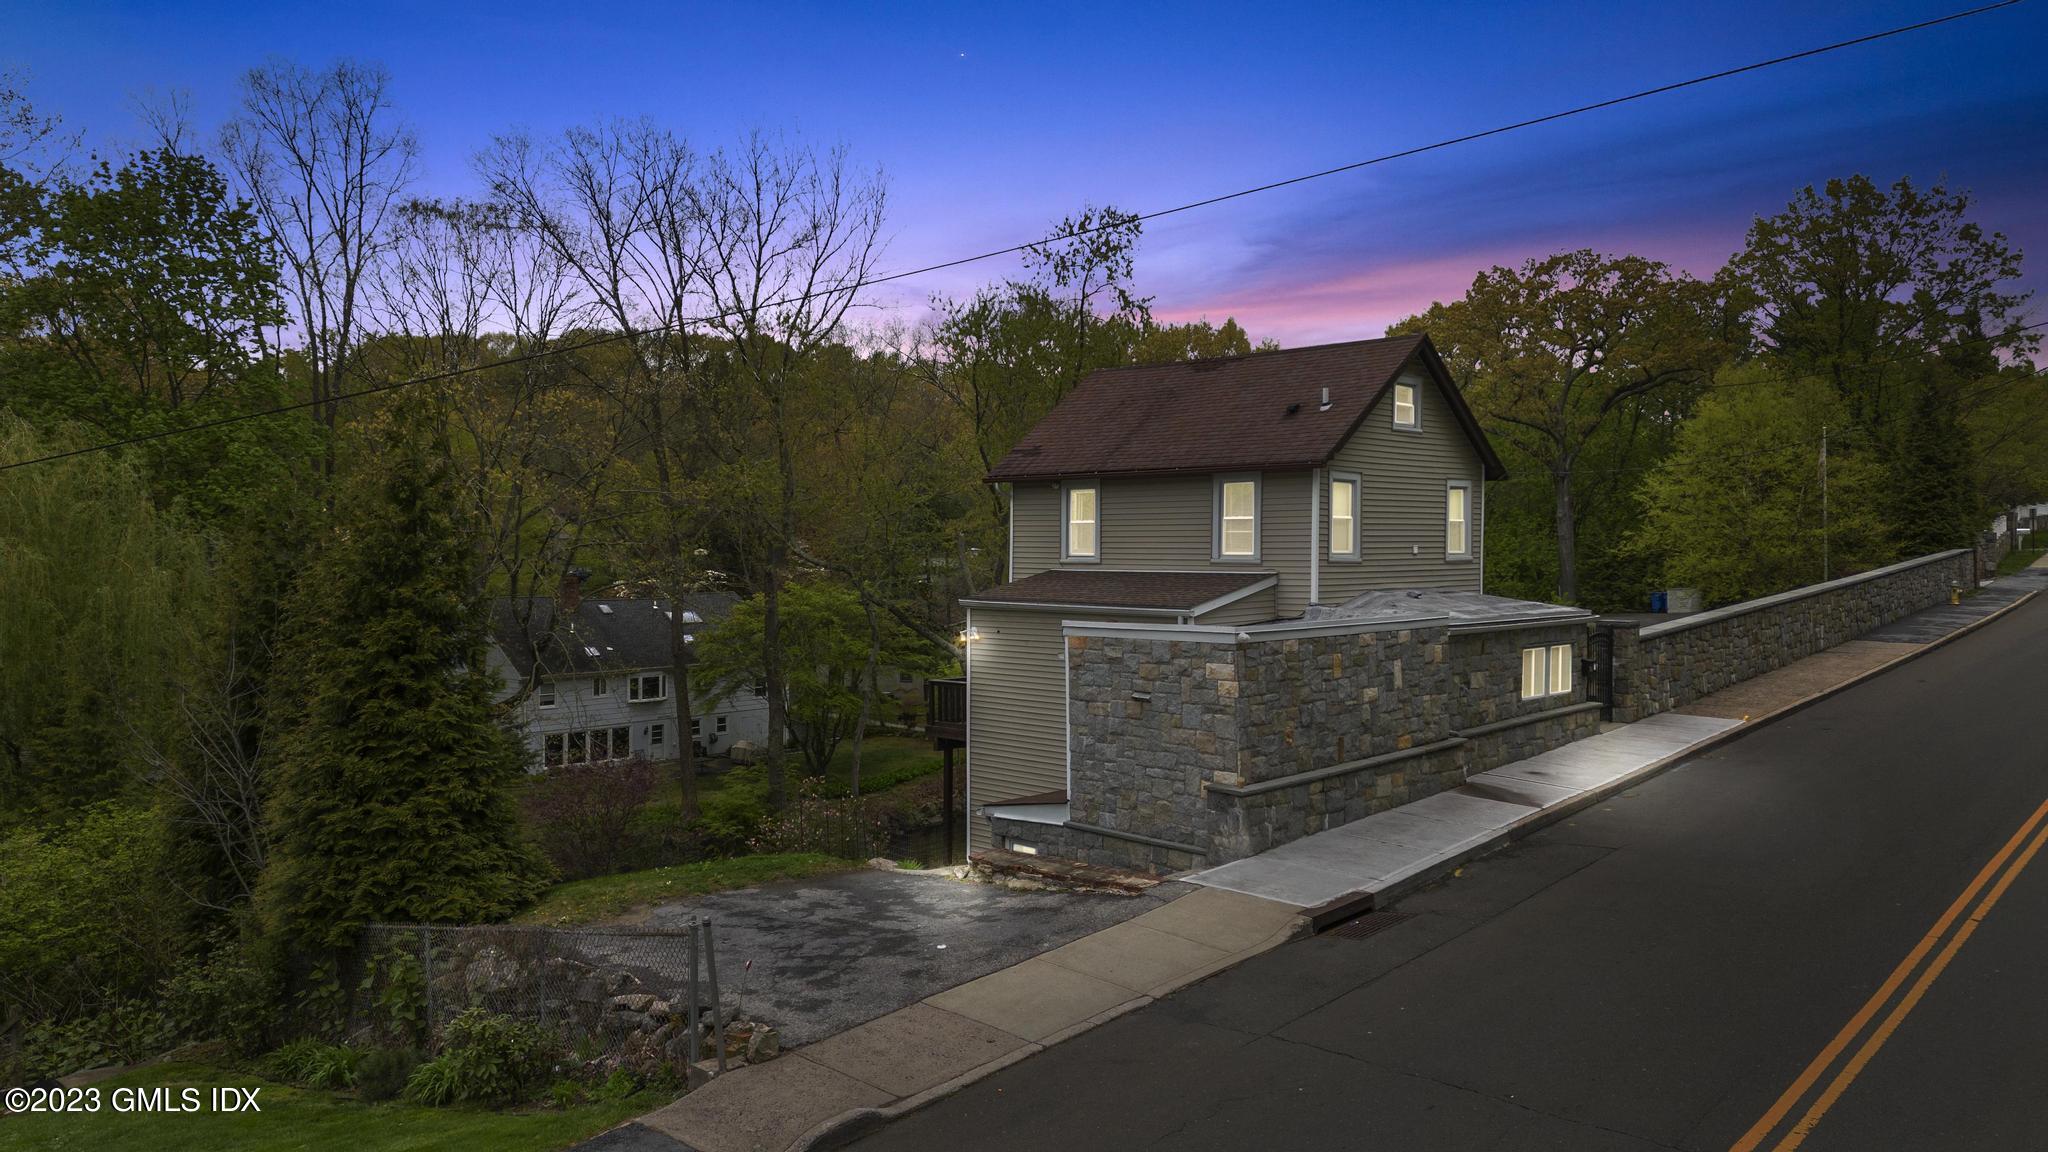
(1067, 489)
(1546, 661)
(552, 698)
(1216, 516)
(1357, 518)
(598, 687)
(1464, 486)
(636, 695)
(719, 725)
(1415, 407)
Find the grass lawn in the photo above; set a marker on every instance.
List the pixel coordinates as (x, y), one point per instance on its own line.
(610, 897)
(304, 1121)
(2014, 561)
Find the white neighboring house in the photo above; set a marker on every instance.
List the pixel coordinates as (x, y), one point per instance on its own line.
(606, 684)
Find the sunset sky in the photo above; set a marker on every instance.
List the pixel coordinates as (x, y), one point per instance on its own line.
(990, 123)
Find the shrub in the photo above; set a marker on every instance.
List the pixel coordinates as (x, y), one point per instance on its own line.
(394, 985)
(84, 917)
(485, 1058)
(731, 818)
(313, 1064)
(382, 1073)
(582, 813)
(121, 1033)
(230, 993)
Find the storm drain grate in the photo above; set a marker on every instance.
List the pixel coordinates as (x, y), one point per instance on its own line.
(1363, 926)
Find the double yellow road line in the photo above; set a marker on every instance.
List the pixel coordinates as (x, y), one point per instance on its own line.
(2006, 867)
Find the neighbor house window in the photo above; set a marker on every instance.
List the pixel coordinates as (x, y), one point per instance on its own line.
(1237, 517)
(577, 750)
(552, 750)
(657, 735)
(696, 728)
(718, 725)
(544, 694)
(1546, 671)
(905, 678)
(1404, 406)
(647, 686)
(1082, 505)
(760, 688)
(1343, 517)
(598, 686)
(1458, 521)
(600, 744)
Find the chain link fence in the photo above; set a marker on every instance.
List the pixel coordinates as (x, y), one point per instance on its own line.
(632, 996)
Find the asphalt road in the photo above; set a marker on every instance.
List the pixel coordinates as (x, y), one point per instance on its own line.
(1654, 973)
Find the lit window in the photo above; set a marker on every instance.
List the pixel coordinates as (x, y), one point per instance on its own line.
(1547, 671)
(1344, 517)
(1404, 405)
(544, 694)
(1081, 517)
(1458, 521)
(647, 686)
(1237, 519)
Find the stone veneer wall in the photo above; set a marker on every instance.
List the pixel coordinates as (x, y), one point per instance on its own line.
(1191, 751)
(1671, 664)
(1486, 699)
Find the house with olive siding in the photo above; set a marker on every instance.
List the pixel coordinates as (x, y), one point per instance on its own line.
(1279, 494)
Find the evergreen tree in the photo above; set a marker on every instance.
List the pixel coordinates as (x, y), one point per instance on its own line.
(1935, 506)
(391, 801)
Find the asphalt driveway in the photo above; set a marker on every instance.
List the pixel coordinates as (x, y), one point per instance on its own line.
(835, 951)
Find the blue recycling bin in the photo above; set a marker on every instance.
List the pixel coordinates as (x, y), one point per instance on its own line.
(1657, 601)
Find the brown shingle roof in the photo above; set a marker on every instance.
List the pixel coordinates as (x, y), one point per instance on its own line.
(1140, 591)
(1223, 415)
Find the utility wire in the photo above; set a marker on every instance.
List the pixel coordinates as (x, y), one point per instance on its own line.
(1014, 249)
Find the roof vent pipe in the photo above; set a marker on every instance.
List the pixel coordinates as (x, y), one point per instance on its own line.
(1326, 399)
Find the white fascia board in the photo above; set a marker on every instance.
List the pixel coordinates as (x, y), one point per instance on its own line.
(1229, 598)
(1029, 813)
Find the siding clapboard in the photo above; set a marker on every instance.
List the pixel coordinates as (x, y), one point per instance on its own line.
(1402, 474)
(1016, 708)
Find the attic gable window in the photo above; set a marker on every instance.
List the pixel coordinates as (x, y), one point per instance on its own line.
(1343, 516)
(1081, 540)
(1404, 406)
(1237, 518)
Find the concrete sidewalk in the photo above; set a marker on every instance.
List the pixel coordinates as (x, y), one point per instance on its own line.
(869, 1074)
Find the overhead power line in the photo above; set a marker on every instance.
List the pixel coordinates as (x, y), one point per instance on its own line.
(1015, 249)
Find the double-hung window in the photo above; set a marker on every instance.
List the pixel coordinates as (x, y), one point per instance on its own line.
(1457, 520)
(647, 686)
(1405, 412)
(1546, 671)
(1237, 517)
(1343, 516)
(598, 687)
(1083, 539)
(544, 694)
(657, 735)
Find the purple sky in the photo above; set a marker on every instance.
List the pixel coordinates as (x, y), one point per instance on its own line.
(992, 124)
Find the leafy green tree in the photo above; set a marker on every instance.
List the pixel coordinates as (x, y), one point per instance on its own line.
(141, 303)
(1736, 508)
(825, 639)
(1934, 504)
(1858, 282)
(108, 603)
(1554, 353)
(391, 799)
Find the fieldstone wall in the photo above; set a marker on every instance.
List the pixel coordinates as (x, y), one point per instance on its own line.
(1188, 752)
(1486, 694)
(1673, 663)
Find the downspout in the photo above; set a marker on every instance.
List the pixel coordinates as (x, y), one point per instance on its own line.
(967, 731)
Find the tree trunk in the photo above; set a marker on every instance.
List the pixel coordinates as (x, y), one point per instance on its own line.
(771, 679)
(686, 752)
(868, 692)
(1567, 538)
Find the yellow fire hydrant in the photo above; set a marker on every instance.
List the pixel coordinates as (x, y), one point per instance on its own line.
(1955, 593)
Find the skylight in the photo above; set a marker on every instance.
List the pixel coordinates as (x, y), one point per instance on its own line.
(605, 608)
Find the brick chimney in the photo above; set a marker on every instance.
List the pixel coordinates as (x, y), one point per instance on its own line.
(569, 596)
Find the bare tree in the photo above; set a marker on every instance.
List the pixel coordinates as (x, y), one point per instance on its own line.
(323, 159)
(790, 238)
(612, 204)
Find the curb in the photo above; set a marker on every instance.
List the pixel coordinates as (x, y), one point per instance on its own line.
(843, 1129)
(1358, 903)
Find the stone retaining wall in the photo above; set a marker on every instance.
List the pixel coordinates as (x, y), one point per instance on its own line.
(1673, 663)
(1198, 748)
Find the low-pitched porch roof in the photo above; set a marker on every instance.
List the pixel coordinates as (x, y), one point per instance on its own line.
(1139, 592)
